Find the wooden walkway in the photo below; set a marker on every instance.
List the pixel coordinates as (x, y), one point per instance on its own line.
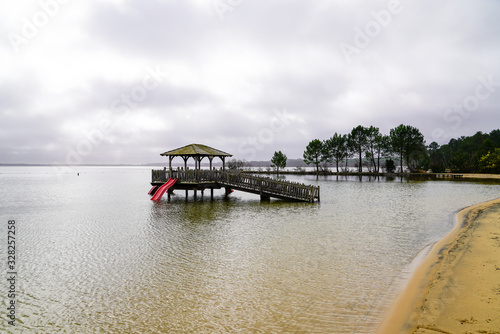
(266, 187)
(448, 176)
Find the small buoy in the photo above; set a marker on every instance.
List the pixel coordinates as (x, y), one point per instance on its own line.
(77, 174)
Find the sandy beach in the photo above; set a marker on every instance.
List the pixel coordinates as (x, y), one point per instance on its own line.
(481, 176)
(457, 288)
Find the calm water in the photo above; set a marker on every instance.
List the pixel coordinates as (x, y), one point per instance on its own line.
(94, 254)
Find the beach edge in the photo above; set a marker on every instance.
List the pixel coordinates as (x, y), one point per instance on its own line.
(409, 305)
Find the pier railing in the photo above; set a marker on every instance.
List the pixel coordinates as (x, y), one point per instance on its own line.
(265, 186)
(182, 175)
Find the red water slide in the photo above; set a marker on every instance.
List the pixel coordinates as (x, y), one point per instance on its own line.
(159, 193)
(153, 190)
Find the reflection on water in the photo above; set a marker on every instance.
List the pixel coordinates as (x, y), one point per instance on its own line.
(95, 255)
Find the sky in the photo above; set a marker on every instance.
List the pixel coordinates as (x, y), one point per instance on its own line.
(121, 81)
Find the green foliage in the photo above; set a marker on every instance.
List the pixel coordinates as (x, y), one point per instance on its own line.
(408, 142)
(465, 154)
(490, 162)
(335, 149)
(377, 146)
(477, 153)
(494, 136)
(278, 161)
(358, 141)
(418, 158)
(436, 163)
(314, 153)
(390, 166)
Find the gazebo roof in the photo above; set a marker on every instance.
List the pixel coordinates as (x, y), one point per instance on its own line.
(196, 150)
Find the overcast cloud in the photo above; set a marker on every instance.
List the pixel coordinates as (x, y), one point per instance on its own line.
(122, 81)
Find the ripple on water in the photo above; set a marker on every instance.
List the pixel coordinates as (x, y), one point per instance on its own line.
(96, 255)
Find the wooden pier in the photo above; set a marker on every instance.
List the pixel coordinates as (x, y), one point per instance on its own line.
(200, 180)
(448, 176)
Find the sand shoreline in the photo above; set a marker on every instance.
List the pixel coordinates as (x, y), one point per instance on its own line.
(457, 287)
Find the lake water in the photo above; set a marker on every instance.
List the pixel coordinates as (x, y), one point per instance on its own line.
(95, 255)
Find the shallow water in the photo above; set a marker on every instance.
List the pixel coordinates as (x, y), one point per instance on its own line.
(94, 254)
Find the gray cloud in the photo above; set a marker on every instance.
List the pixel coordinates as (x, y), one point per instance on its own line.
(226, 82)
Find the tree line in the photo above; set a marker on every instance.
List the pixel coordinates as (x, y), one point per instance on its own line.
(479, 153)
(405, 144)
(370, 147)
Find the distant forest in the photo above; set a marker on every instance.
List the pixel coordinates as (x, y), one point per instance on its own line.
(479, 153)
(403, 150)
(405, 146)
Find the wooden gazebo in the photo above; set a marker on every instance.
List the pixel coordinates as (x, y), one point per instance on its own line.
(202, 179)
(198, 152)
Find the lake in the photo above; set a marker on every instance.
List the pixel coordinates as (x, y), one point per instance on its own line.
(95, 255)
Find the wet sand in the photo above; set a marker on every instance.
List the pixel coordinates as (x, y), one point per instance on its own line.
(457, 288)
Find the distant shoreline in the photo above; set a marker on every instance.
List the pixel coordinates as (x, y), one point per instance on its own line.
(475, 176)
(414, 175)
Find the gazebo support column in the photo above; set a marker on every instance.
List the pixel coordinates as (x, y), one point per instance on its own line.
(198, 168)
(170, 158)
(210, 158)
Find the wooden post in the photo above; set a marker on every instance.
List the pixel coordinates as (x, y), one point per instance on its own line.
(198, 167)
(170, 158)
(262, 196)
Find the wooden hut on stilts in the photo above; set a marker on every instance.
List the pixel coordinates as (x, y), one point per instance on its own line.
(199, 179)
